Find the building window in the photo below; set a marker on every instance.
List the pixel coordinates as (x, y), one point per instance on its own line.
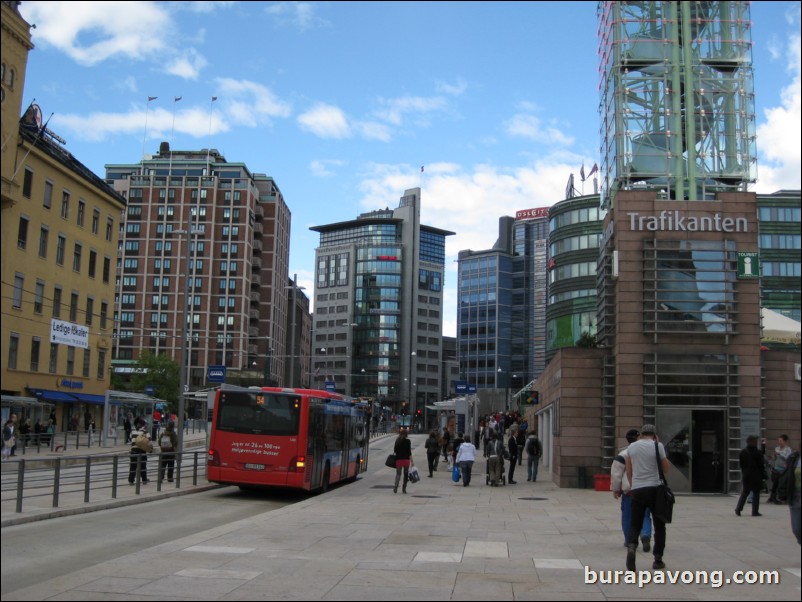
(48, 196)
(106, 269)
(53, 361)
(109, 229)
(87, 361)
(101, 363)
(92, 263)
(95, 220)
(27, 183)
(90, 309)
(65, 204)
(81, 211)
(35, 345)
(19, 283)
(57, 302)
(22, 233)
(43, 232)
(73, 307)
(104, 311)
(60, 248)
(13, 349)
(70, 360)
(76, 258)
(38, 297)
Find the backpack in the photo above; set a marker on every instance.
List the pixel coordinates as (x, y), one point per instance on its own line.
(530, 446)
(165, 442)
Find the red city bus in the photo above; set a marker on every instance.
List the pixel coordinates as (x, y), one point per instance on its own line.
(295, 438)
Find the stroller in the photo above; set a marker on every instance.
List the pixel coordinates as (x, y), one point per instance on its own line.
(495, 465)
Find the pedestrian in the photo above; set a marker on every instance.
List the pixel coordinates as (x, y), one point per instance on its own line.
(15, 429)
(512, 445)
(643, 472)
(789, 482)
(466, 456)
(432, 452)
(90, 431)
(128, 427)
(446, 439)
(168, 445)
(781, 454)
(9, 438)
(403, 458)
(622, 489)
(534, 451)
(520, 439)
(140, 448)
(458, 440)
(751, 461)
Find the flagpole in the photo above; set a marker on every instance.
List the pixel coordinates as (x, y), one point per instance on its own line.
(172, 138)
(145, 134)
(209, 148)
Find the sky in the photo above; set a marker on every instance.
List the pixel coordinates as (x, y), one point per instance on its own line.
(342, 103)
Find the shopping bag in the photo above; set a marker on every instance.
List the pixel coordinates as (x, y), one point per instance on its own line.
(414, 476)
(664, 503)
(455, 475)
(390, 461)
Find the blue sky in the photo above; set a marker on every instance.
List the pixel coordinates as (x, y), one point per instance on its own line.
(343, 102)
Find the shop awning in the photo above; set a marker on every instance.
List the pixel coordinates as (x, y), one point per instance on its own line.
(54, 396)
(89, 398)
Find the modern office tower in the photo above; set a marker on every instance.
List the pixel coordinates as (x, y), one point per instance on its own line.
(59, 233)
(678, 294)
(780, 255)
(575, 227)
(501, 315)
(204, 251)
(379, 307)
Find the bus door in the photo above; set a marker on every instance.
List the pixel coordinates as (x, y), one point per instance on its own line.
(316, 443)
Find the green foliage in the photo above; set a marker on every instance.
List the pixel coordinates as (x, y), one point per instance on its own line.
(161, 371)
(587, 341)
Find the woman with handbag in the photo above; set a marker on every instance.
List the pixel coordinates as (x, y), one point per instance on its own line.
(403, 458)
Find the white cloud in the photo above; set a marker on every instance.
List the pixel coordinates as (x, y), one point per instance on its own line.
(394, 109)
(91, 32)
(372, 130)
(187, 66)
(779, 138)
(325, 121)
(456, 89)
(249, 103)
(299, 14)
(531, 127)
(320, 167)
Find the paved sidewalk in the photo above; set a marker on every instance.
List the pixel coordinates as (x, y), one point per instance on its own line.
(443, 541)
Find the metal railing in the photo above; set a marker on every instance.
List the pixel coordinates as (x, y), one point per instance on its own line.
(95, 478)
(62, 441)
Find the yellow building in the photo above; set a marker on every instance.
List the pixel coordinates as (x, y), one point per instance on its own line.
(60, 226)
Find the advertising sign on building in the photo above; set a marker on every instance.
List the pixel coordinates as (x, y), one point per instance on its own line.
(748, 265)
(67, 333)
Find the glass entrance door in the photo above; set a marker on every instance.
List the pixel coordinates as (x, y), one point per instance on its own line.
(694, 440)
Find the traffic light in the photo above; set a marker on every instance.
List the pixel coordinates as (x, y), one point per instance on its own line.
(418, 412)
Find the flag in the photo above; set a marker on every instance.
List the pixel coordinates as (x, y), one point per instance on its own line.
(593, 169)
(214, 98)
(582, 172)
(177, 98)
(421, 168)
(152, 98)
(569, 187)
(317, 371)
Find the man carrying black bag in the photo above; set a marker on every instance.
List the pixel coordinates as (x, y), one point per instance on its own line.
(643, 472)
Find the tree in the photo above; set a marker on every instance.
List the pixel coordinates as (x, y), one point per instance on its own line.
(587, 341)
(160, 371)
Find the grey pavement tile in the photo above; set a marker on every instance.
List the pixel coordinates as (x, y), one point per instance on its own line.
(188, 587)
(113, 584)
(355, 592)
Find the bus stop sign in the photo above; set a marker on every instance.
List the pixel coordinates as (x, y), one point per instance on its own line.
(216, 374)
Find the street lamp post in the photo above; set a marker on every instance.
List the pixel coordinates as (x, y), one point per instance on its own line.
(182, 378)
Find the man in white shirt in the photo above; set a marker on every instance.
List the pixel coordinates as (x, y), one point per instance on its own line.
(644, 475)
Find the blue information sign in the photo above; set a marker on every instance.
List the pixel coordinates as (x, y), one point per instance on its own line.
(331, 385)
(216, 374)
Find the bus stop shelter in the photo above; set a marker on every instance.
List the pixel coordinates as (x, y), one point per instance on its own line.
(113, 417)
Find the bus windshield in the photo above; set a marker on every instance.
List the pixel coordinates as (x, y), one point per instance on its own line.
(258, 412)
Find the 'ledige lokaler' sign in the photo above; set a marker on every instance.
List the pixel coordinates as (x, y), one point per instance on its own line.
(67, 333)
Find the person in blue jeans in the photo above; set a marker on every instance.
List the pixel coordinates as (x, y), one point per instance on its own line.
(534, 449)
(621, 488)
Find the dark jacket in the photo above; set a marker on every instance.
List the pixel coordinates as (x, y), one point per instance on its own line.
(403, 448)
(513, 447)
(432, 447)
(751, 460)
